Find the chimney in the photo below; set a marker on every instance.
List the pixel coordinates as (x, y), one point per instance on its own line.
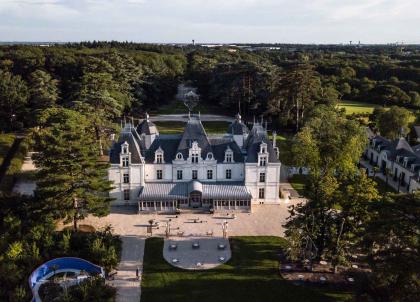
(274, 139)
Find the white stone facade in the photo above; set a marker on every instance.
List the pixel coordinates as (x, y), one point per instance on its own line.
(238, 160)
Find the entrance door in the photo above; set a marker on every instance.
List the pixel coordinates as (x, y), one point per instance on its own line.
(195, 200)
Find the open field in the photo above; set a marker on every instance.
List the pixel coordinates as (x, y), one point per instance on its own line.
(357, 107)
(178, 127)
(251, 275)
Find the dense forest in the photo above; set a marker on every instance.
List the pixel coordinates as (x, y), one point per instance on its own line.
(67, 98)
(282, 83)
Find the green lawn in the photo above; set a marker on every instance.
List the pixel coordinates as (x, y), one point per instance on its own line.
(251, 275)
(6, 141)
(178, 127)
(298, 183)
(177, 107)
(357, 107)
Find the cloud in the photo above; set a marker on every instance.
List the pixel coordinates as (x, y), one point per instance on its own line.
(210, 20)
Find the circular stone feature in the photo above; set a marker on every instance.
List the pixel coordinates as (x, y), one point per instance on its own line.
(205, 256)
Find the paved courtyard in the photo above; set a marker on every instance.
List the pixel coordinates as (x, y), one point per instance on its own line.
(132, 227)
(264, 220)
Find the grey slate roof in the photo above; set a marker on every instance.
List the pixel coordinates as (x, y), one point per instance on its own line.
(257, 136)
(169, 145)
(194, 131)
(134, 147)
(219, 146)
(181, 190)
(237, 127)
(147, 127)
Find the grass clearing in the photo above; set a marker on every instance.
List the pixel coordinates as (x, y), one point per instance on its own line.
(298, 182)
(6, 141)
(178, 107)
(178, 127)
(357, 107)
(251, 274)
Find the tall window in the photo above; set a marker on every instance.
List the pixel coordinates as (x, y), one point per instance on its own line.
(126, 194)
(179, 174)
(228, 157)
(262, 177)
(159, 174)
(194, 158)
(263, 161)
(125, 161)
(194, 174)
(228, 174)
(209, 174)
(159, 158)
(125, 149)
(126, 178)
(261, 193)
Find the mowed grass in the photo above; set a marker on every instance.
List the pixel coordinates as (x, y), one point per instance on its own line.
(298, 182)
(357, 107)
(6, 141)
(178, 127)
(252, 274)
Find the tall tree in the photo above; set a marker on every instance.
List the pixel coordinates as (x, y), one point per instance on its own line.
(330, 146)
(394, 122)
(96, 100)
(43, 91)
(295, 94)
(70, 179)
(392, 242)
(13, 100)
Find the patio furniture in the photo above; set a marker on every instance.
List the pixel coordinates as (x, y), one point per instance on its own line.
(175, 260)
(300, 277)
(322, 262)
(222, 259)
(288, 267)
(350, 279)
(209, 233)
(221, 246)
(354, 266)
(199, 264)
(180, 234)
(196, 245)
(322, 279)
(173, 247)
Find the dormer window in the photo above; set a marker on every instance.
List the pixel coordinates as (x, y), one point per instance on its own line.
(124, 148)
(179, 156)
(159, 156)
(209, 156)
(263, 148)
(195, 152)
(229, 155)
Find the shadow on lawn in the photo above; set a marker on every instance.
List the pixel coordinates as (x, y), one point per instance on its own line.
(250, 275)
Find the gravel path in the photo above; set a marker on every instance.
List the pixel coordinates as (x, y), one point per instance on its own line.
(125, 281)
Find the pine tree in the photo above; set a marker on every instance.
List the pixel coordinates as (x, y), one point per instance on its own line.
(71, 180)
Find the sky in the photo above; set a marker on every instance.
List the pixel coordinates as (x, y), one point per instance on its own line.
(212, 21)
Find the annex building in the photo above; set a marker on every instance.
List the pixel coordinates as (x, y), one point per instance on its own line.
(230, 171)
(397, 158)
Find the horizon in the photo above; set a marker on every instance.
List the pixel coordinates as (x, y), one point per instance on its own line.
(320, 22)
